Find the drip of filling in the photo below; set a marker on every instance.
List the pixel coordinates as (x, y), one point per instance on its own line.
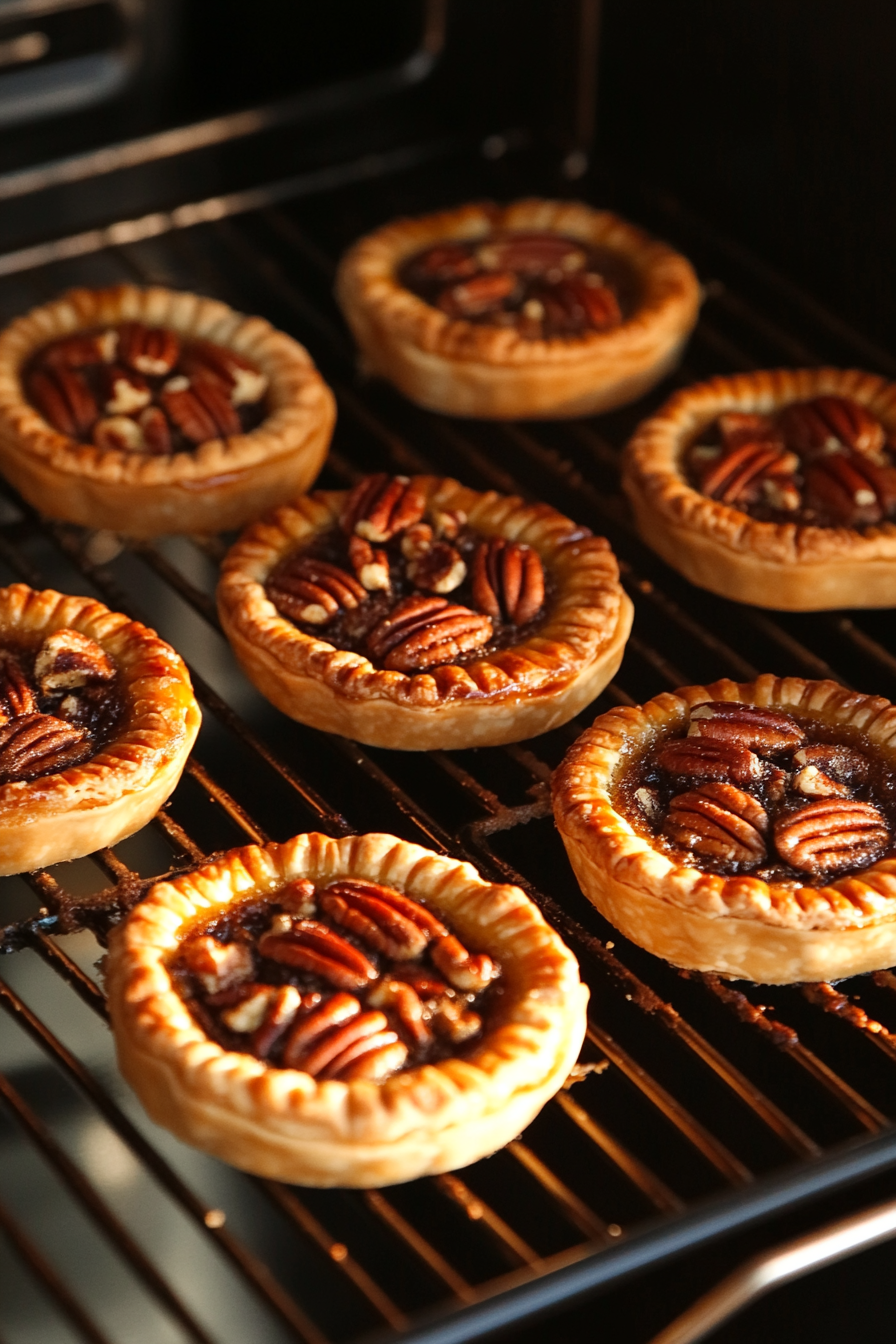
(59, 705)
(142, 389)
(409, 587)
(542, 284)
(348, 981)
(757, 791)
(827, 462)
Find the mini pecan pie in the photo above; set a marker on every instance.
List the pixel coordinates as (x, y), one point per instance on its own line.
(343, 1012)
(148, 411)
(419, 614)
(541, 308)
(774, 488)
(744, 829)
(97, 719)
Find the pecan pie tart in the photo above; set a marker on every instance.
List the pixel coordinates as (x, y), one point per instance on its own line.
(775, 488)
(537, 309)
(97, 718)
(149, 411)
(343, 1012)
(416, 613)
(746, 829)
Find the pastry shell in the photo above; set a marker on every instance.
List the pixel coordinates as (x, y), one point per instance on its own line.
(467, 368)
(741, 927)
(218, 486)
(86, 807)
(510, 695)
(778, 565)
(283, 1124)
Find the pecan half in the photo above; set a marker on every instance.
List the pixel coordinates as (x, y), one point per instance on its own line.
(381, 1056)
(424, 632)
(217, 966)
(739, 474)
(439, 569)
(67, 659)
(359, 908)
(150, 350)
(77, 352)
(282, 1008)
(508, 580)
(768, 731)
(739, 427)
(700, 758)
(316, 948)
(405, 1003)
(455, 1021)
(461, 968)
(828, 770)
(123, 391)
(39, 744)
(380, 506)
(371, 565)
(16, 695)
(827, 423)
(200, 409)
(447, 261)
(328, 1049)
(156, 431)
(532, 254)
(63, 399)
(720, 821)
(586, 300)
(416, 540)
(119, 434)
(245, 383)
(478, 296)
(831, 834)
(851, 488)
(334, 1012)
(314, 591)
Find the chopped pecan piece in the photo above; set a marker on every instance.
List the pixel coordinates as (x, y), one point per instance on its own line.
(63, 399)
(313, 591)
(200, 409)
(701, 758)
(531, 254)
(334, 1012)
(217, 966)
(364, 908)
(768, 731)
(77, 352)
(247, 1014)
(150, 350)
(119, 434)
(828, 770)
(480, 295)
(404, 1001)
(297, 897)
(448, 523)
(720, 821)
(39, 744)
(508, 580)
(461, 968)
(424, 632)
(16, 695)
(123, 391)
(826, 424)
(371, 565)
(851, 488)
(245, 384)
(455, 1021)
(67, 659)
(380, 506)
(316, 948)
(416, 540)
(439, 569)
(830, 835)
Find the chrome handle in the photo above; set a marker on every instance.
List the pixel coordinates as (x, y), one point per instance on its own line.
(780, 1265)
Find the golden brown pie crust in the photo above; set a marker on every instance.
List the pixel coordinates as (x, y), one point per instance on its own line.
(281, 1123)
(778, 565)
(86, 807)
(511, 695)
(222, 483)
(741, 927)
(465, 368)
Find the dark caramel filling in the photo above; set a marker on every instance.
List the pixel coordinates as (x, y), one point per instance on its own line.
(542, 284)
(428, 590)
(827, 462)
(143, 389)
(763, 793)
(345, 981)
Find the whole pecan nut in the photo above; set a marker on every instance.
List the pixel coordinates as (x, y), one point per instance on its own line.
(720, 821)
(830, 835)
(702, 758)
(423, 632)
(828, 423)
(767, 731)
(438, 569)
(149, 350)
(313, 591)
(314, 947)
(67, 659)
(16, 695)
(64, 400)
(380, 506)
(39, 744)
(508, 580)
(370, 564)
(245, 384)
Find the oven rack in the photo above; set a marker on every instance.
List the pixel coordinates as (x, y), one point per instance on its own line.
(700, 1106)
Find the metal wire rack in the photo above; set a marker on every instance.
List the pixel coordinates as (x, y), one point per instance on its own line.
(699, 1104)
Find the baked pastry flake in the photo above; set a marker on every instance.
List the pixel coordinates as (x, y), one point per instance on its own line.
(775, 488)
(418, 614)
(149, 411)
(743, 829)
(537, 309)
(342, 1012)
(97, 719)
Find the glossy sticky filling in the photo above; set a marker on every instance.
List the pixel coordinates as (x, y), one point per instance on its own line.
(345, 981)
(540, 283)
(825, 462)
(144, 390)
(765, 794)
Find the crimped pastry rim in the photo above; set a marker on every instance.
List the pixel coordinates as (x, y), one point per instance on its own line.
(161, 717)
(584, 811)
(584, 620)
(367, 275)
(652, 465)
(543, 995)
(298, 397)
